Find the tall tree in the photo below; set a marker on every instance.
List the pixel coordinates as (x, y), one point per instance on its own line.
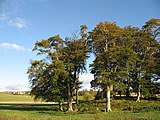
(57, 74)
(144, 47)
(75, 54)
(122, 55)
(152, 27)
(47, 76)
(105, 66)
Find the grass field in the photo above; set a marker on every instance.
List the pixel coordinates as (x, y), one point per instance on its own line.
(4, 97)
(19, 109)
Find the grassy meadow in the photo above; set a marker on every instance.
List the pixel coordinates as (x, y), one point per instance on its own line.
(8, 97)
(23, 107)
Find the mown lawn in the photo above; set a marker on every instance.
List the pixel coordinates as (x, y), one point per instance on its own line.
(122, 110)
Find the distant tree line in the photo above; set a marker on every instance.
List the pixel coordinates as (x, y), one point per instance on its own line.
(126, 59)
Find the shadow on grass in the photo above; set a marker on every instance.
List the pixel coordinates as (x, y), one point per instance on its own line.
(29, 107)
(43, 109)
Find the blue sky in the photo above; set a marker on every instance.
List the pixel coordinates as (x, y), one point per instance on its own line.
(23, 22)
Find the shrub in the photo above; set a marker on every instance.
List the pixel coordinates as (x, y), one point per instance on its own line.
(87, 96)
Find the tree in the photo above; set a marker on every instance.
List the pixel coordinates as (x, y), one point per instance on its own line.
(153, 26)
(55, 78)
(139, 68)
(123, 56)
(145, 47)
(75, 54)
(47, 76)
(105, 66)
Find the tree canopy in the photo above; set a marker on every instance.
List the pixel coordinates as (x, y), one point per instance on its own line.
(55, 78)
(126, 59)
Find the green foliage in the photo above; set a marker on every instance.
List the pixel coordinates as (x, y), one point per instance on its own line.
(43, 78)
(55, 78)
(127, 58)
(153, 26)
(87, 96)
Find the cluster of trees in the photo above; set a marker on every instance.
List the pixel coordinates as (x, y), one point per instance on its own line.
(125, 59)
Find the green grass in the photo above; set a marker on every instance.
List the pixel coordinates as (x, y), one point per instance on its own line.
(7, 97)
(122, 110)
(48, 112)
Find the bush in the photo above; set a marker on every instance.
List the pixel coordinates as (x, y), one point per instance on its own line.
(87, 96)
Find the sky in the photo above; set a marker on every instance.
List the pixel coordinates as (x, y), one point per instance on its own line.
(23, 22)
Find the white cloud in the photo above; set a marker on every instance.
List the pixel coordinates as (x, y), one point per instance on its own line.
(8, 11)
(14, 22)
(86, 78)
(18, 22)
(13, 46)
(15, 87)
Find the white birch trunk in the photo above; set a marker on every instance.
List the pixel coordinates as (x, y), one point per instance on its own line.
(70, 109)
(108, 100)
(138, 96)
(139, 86)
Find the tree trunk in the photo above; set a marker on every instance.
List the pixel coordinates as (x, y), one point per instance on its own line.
(139, 85)
(128, 92)
(77, 102)
(77, 87)
(128, 85)
(70, 108)
(108, 100)
(70, 97)
(138, 95)
(60, 106)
